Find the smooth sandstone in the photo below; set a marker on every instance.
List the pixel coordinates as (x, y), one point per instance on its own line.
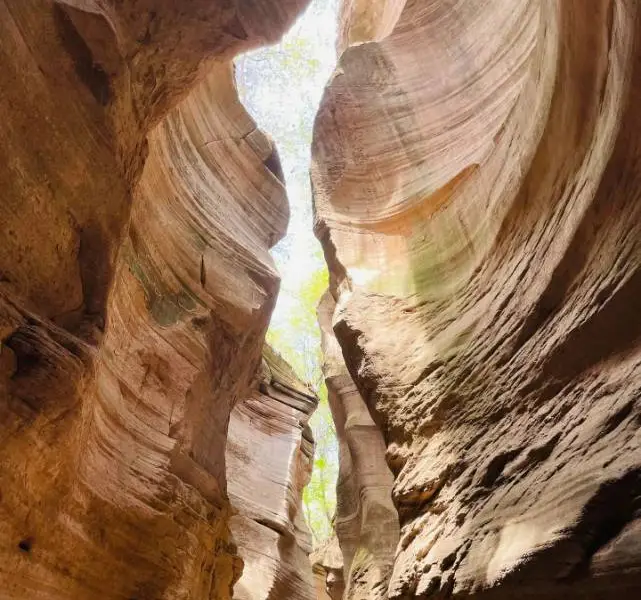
(139, 202)
(476, 173)
(269, 461)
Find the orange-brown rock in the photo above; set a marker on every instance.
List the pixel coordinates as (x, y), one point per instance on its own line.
(269, 461)
(139, 202)
(476, 168)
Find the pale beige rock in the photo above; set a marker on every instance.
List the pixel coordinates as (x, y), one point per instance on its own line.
(366, 522)
(269, 461)
(476, 177)
(328, 565)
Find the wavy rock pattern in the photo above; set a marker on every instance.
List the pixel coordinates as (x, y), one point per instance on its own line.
(476, 172)
(139, 203)
(269, 461)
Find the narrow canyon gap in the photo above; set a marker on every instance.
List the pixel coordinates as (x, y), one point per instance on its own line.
(281, 86)
(475, 170)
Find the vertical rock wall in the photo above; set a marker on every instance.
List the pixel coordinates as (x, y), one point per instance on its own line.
(138, 206)
(476, 171)
(328, 568)
(366, 522)
(269, 461)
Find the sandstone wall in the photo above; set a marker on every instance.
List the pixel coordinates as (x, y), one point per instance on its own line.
(269, 461)
(476, 171)
(139, 202)
(366, 522)
(328, 568)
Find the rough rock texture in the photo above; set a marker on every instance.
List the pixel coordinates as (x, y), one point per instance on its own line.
(366, 521)
(269, 461)
(477, 188)
(135, 290)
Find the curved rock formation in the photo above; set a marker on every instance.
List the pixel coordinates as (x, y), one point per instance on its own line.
(366, 522)
(139, 203)
(269, 462)
(476, 171)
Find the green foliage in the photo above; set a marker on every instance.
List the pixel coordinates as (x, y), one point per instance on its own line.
(319, 497)
(298, 339)
(299, 343)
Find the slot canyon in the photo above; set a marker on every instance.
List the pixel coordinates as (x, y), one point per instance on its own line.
(476, 176)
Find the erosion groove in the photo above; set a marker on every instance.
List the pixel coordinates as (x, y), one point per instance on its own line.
(269, 461)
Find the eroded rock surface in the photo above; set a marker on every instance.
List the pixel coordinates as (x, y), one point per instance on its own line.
(269, 461)
(328, 568)
(366, 522)
(476, 170)
(139, 203)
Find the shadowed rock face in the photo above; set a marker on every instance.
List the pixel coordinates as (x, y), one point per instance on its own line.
(366, 522)
(135, 289)
(476, 170)
(476, 175)
(269, 461)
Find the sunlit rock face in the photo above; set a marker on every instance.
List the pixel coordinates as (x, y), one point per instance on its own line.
(366, 521)
(269, 461)
(328, 567)
(139, 203)
(476, 171)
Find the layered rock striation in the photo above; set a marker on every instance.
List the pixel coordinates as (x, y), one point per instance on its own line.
(139, 204)
(269, 460)
(476, 172)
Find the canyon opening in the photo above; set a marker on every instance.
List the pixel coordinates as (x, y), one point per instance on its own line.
(281, 86)
(438, 399)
